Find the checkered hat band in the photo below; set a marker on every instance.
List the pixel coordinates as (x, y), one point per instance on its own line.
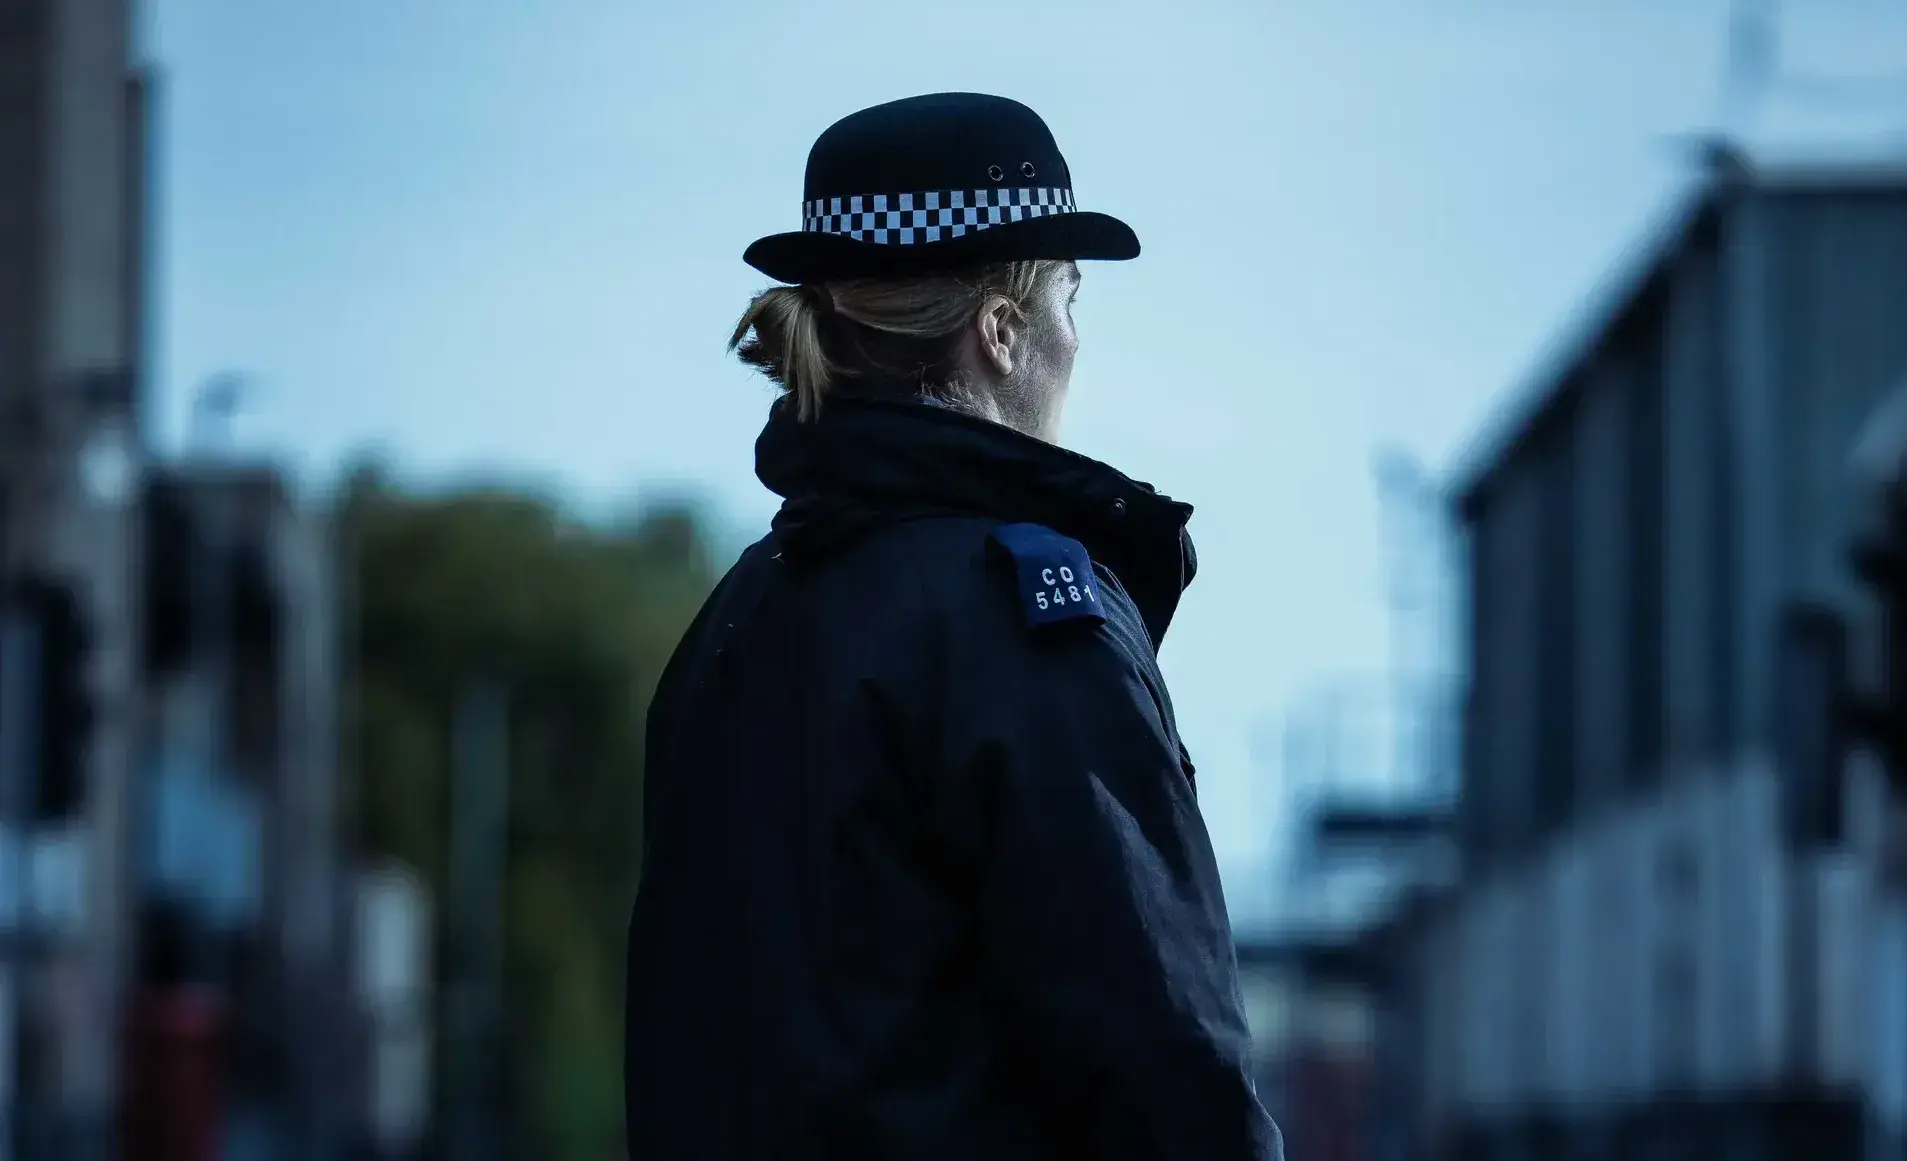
(912, 218)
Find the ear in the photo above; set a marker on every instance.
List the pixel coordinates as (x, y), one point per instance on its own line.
(997, 331)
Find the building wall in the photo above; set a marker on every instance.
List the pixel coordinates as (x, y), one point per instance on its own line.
(26, 31)
(1698, 679)
(1568, 563)
(70, 244)
(1889, 1023)
(1440, 1049)
(1602, 561)
(1812, 285)
(1839, 272)
(1505, 547)
(1666, 930)
(88, 185)
(1624, 930)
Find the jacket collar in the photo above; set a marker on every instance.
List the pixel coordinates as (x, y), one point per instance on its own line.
(867, 462)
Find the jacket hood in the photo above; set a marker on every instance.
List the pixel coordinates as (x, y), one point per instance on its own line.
(866, 463)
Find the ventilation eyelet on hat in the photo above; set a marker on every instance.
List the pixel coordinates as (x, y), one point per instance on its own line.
(995, 172)
(1026, 168)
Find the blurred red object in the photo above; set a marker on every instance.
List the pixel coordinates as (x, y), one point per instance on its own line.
(173, 1082)
(1326, 1113)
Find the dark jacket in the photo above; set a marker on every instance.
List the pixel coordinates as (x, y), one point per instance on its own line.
(924, 872)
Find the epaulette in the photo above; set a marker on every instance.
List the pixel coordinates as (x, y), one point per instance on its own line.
(1056, 579)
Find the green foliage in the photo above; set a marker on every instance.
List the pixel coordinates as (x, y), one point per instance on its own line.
(577, 622)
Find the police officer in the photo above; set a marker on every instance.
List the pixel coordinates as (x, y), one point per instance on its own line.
(924, 872)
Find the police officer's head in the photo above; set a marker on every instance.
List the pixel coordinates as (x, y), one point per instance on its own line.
(938, 257)
(997, 341)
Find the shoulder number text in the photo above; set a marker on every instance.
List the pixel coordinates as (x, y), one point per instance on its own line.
(1062, 588)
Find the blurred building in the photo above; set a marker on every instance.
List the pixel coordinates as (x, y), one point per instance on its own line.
(248, 908)
(1370, 772)
(1336, 1021)
(1311, 1016)
(72, 319)
(1666, 940)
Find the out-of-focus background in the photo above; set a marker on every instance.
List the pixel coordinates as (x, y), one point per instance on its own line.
(1538, 369)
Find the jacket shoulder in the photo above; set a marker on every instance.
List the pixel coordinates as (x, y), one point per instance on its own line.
(1052, 575)
(1027, 574)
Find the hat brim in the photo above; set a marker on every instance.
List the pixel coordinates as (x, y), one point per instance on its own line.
(809, 256)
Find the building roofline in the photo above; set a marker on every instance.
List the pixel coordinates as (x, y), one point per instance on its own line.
(1511, 423)
(1727, 170)
(1801, 170)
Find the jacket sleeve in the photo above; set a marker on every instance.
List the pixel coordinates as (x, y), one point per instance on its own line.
(1102, 919)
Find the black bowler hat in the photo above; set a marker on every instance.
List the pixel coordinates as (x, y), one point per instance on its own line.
(934, 183)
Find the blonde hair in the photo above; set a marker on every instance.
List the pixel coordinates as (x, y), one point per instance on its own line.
(901, 329)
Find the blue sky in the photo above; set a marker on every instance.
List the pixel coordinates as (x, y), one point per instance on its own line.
(503, 235)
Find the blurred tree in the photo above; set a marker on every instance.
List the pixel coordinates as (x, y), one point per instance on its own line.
(578, 621)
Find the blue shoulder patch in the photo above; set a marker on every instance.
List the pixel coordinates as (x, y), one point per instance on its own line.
(1056, 576)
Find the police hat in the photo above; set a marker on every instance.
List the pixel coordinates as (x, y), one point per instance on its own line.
(933, 183)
